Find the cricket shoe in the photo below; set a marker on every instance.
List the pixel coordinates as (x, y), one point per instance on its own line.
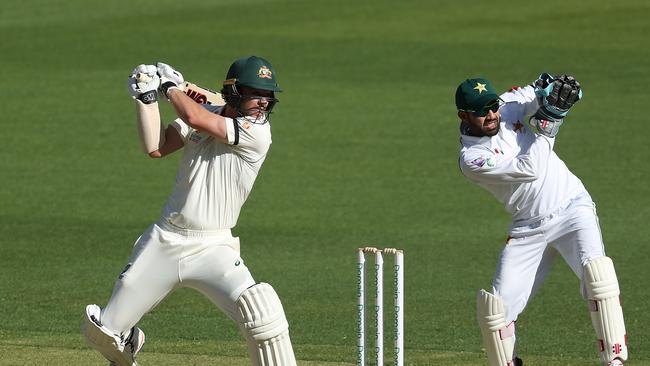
(615, 362)
(132, 345)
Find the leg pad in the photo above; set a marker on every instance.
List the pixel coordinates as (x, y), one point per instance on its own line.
(265, 327)
(498, 337)
(606, 311)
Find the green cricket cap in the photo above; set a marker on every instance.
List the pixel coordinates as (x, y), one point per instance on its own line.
(253, 72)
(474, 94)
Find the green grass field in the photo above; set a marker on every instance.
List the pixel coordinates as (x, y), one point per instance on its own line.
(364, 153)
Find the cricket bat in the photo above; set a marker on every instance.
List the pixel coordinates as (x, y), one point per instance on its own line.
(202, 95)
(199, 94)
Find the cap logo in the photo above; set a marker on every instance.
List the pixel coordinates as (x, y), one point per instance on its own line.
(480, 87)
(265, 73)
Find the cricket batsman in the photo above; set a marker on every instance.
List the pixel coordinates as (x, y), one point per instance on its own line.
(191, 245)
(507, 148)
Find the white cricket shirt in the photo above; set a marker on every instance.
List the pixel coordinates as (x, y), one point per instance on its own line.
(518, 166)
(214, 178)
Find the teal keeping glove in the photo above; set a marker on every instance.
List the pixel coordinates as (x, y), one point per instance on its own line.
(557, 95)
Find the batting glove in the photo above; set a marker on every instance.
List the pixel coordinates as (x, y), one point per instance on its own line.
(143, 83)
(169, 78)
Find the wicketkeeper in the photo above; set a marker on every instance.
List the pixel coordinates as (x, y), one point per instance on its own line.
(507, 148)
(191, 245)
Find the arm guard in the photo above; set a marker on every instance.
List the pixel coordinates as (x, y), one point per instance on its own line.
(151, 131)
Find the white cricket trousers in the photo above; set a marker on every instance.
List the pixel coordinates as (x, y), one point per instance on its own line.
(572, 231)
(164, 259)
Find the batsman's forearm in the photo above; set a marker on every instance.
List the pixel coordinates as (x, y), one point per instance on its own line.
(186, 108)
(197, 117)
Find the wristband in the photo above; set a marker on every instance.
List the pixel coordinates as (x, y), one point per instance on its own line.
(148, 97)
(164, 87)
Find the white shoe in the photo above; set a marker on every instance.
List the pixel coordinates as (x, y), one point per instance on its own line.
(132, 345)
(615, 362)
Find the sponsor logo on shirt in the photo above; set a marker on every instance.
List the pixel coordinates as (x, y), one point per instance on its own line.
(491, 162)
(246, 125)
(479, 162)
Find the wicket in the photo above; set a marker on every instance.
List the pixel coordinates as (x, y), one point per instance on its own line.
(398, 283)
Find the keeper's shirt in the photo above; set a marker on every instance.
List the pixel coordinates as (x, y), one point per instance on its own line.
(214, 178)
(517, 165)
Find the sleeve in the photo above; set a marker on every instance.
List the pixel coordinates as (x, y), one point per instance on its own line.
(524, 99)
(249, 140)
(184, 130)
(484, 166)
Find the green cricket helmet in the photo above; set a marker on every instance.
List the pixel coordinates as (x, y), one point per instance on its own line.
(252, 72)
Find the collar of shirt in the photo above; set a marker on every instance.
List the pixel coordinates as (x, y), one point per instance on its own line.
(476, 140)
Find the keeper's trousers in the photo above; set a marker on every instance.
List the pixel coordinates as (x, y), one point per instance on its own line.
(572, 231)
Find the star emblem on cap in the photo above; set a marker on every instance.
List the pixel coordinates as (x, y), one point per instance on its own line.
(480, 87)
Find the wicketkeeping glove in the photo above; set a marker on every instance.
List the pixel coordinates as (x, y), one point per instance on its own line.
(557, 95)
(143, 83)
(169, 78)
(546, 127)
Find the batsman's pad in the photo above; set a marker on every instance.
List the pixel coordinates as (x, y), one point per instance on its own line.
(120, 352)
(498, 337)
(265, 326)
(606, 312)
(150, 129)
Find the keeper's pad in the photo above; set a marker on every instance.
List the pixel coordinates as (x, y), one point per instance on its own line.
(150, 129)
(265, 327)
(606, 312)
(120, 352)
(498, 337)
